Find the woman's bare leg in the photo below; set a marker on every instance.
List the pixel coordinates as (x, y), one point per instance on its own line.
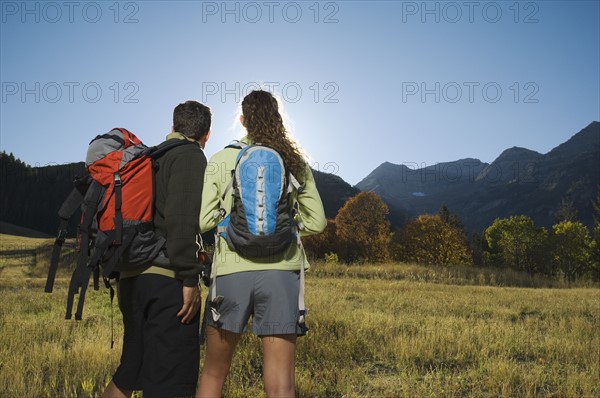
(279, 354)
(220, 346)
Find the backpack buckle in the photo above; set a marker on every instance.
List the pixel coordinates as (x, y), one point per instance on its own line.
(117, 179)
(220, 213)
(61, 237)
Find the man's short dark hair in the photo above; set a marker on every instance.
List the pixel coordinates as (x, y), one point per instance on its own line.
(192, 119)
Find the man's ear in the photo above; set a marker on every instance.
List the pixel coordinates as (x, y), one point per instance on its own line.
(202, 141)
(242, 120)
(172, 129)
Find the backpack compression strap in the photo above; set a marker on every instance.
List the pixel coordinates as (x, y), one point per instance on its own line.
(118, 213)
(86, 272)
(91, 202)
(66, 211)
(299, 225)
(302, 310)
(104, 248)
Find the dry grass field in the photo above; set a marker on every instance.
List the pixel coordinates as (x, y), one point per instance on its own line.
(377, 334)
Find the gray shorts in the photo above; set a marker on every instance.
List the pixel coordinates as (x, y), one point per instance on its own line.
(270, 296)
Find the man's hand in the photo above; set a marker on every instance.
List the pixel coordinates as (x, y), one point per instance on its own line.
(191, 304)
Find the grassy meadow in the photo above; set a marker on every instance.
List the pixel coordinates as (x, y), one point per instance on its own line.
(375, 331)
(22, 246)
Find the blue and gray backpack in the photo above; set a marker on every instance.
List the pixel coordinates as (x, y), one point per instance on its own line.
(261, 222)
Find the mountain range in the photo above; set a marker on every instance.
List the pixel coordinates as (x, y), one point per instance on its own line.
(519, 181)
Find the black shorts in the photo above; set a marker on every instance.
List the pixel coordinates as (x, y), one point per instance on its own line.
(160, 354)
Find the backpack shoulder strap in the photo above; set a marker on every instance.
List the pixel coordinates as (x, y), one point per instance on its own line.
(294, 183)
(158, 150)
(236, 144)
(241, 146)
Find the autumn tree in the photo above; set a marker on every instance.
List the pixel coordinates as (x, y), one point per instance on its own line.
(595, 244)
(516, 243)
(428, 239)
(571, 248)
(318, 245)
(595, 253)
(362, 229)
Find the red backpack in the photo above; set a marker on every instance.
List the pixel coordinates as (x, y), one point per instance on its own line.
(116, 198)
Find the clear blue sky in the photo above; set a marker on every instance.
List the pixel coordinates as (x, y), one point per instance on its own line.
(361, 82)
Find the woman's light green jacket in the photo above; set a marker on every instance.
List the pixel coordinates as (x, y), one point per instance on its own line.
(216, 178)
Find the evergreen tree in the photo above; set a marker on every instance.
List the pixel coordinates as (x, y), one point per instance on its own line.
(567, 211)
(451, 219)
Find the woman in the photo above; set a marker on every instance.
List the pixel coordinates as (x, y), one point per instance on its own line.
(266, 289)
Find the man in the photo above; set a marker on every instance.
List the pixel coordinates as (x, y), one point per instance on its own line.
(160, 303)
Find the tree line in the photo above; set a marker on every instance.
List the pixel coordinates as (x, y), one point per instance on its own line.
(361, 233)
(31, 196)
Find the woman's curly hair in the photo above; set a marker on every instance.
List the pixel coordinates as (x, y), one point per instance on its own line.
(265, 126)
